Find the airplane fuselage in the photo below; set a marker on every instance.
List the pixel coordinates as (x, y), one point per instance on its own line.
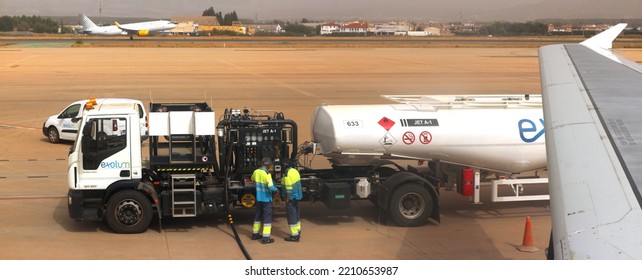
(111, 30)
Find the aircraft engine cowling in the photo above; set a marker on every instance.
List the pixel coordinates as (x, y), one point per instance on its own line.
(143, 33)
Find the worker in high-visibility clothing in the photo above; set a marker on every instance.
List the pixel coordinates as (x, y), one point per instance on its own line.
(264, 188)
(292, 183)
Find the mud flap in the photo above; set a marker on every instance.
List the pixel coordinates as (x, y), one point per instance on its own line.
(149, 189)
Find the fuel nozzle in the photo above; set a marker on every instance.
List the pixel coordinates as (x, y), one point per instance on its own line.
(309, 148)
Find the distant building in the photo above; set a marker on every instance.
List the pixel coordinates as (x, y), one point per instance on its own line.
(428, 30)
(329, 28)
(213, 29)
(185, 28)
(433, 31)
(463, 28)
(190, 25)
(391, 28)
(565, 29)
(570, 29)
(200, 20)
(204, 25)
(354, 27)
(416, 33)
(268, 28)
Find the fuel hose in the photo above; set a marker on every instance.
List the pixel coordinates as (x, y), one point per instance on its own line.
(228, 211)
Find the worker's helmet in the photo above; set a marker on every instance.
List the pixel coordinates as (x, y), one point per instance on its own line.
(266, 161)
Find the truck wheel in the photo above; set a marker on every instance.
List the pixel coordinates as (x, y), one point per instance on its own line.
(411, 205)
(277, 201)
(248, 200)
(129, 212)
(52, 135)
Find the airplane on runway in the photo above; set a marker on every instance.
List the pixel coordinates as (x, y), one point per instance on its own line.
(592, 102)
(131, 29)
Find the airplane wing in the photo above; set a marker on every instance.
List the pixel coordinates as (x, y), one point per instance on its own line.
(592, 100)
(126, 28)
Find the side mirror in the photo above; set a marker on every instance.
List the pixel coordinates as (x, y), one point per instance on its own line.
(86, 131)
(75, 120)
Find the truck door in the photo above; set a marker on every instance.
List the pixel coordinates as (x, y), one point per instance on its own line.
(106, 151)
(67, 127)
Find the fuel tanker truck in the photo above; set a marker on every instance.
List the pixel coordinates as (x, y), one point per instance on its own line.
(195, 165)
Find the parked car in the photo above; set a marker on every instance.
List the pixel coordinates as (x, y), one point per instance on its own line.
(64, 126)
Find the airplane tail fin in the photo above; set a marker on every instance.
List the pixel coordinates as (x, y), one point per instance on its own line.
(605, 39)
(86, 22)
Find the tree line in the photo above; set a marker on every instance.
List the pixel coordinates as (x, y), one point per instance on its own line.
(225, 20)
(502, 28)
(34, 24)
(290, 29)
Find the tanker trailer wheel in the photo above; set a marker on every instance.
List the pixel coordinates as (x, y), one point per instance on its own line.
(411, 205)
(277, 201)
(248, 200)
(53, 135)
(129, 212)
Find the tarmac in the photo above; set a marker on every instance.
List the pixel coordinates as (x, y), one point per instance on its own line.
(38, 82)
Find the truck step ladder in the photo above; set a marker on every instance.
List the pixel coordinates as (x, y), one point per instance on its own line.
(183, 195)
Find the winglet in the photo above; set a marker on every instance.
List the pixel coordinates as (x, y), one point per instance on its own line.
(604, 40)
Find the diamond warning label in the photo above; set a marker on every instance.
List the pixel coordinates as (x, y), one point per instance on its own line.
(386, 123)
(387, 140)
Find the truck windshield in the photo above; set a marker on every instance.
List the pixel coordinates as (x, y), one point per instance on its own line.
(70, 112)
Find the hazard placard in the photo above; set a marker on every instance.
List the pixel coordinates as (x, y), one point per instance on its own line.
(408, 138)
(387, 140)
(425, 137)
(386, 123)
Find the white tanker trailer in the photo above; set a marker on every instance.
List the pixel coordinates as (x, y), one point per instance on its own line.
(495, 133)
(460, 137)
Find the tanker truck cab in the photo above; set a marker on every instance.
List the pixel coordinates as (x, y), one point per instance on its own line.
(103, 158)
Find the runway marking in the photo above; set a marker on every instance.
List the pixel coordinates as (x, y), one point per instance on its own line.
(309, 94)
(20, 197)
(7, 125)
(30, 177)
(15, 64)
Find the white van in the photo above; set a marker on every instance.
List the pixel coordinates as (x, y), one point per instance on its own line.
(64, 126)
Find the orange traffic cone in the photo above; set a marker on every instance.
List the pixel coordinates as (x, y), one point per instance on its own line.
(527, 244)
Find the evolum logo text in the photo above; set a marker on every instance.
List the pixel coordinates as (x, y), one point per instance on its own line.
(114, 164)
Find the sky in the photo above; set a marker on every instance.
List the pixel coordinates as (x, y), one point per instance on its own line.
(424, 10)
